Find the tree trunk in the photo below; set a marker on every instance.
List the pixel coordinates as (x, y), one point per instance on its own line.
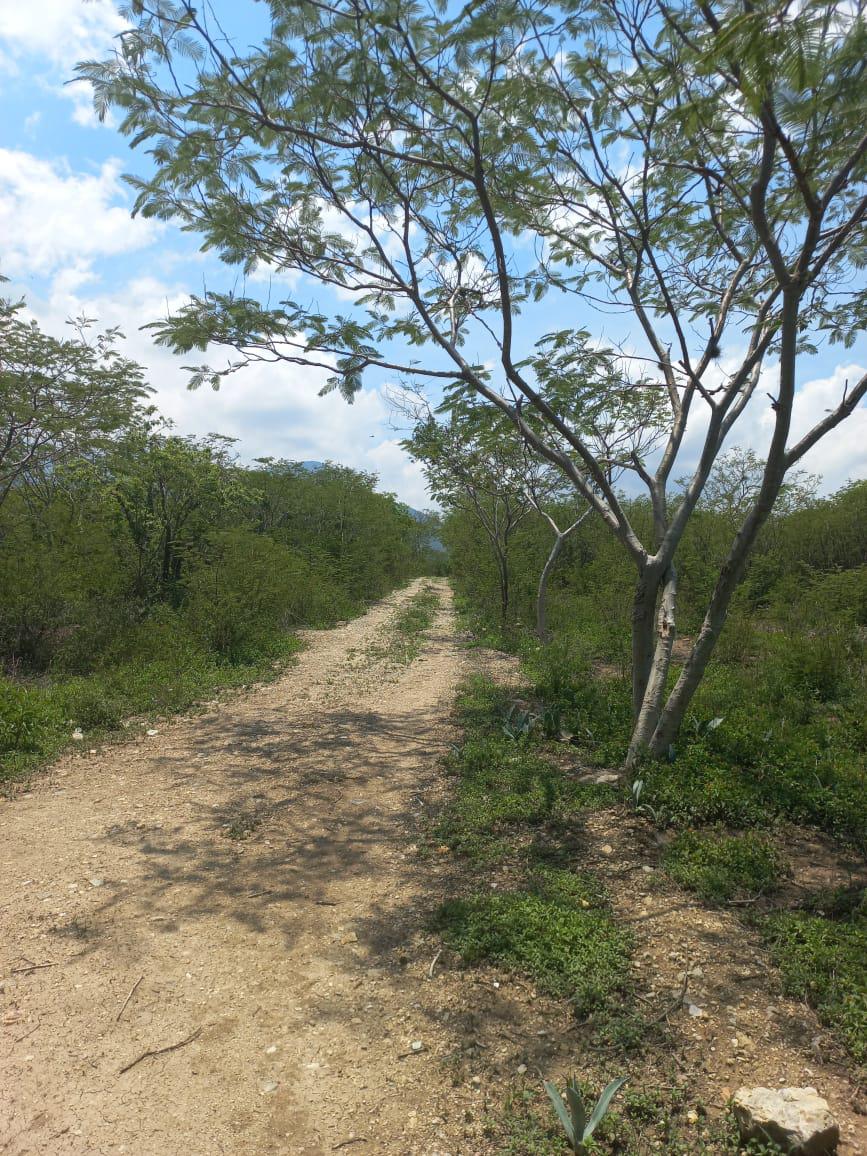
(542, 593)
(503, 576)
(672, 716)
(643, 613)
(647, 719)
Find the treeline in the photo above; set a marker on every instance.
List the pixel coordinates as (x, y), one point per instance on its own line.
(140, 569)
(809, 567)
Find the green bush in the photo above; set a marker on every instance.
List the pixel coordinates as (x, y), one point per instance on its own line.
(25, 719)
(576, 953)
(822, 962)
(250, 590)
(720, 867)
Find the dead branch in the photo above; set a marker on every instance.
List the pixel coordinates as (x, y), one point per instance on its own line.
(161, 1051)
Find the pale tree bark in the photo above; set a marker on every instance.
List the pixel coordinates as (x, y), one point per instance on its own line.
(560, 537)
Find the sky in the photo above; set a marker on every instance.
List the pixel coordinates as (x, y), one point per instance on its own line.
(69, 246)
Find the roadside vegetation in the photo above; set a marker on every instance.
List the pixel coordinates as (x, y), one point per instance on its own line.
(141, 571)
(773, 747)
(402, 638)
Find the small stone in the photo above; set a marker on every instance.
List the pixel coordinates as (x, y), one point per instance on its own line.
(692, 1116)
(96, 881)
(150, 732)
(476, 1081)
(77, 734)
(797, 1119)
(522, 1069)
(607, 849)
(417, 1046)
(271, 1051)
(268, 1086)
(695, 1011)
(648, 869)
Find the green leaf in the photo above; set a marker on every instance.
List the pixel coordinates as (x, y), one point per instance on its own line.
(576, 1107)
(602, 1106)
(561, 1110)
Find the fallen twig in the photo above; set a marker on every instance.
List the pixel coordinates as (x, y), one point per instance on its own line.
(160, 1051)
(31, 967)
(128, 998)
(433, 964)
(678, 1003)
(351, 1140)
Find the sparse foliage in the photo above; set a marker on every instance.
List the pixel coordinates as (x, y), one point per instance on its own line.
(696, 169)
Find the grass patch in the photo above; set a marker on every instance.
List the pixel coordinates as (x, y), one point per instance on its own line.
(722, 867)
(37, 720)
(571, 950)
(790, 745)
(644, 1119)
(512, 804)
(403, 637)
(506, 786)
(822, 960)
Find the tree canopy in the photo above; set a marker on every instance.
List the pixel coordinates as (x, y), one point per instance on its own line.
(695, 170)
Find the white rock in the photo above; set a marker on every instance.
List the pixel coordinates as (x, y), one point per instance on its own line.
(417, 1046)
(268, 1086)
(77, 734)
(151, 732)
(797, 1119)
(96, 881)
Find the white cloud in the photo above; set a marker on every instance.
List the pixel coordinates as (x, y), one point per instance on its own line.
(51, 216)
(274, 410)
(52, 36)
(61, 31)
(838, 457)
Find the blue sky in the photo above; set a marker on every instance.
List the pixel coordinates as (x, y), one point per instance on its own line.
(70, 246)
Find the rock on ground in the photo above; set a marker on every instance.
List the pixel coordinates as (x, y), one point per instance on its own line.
(797, 1119)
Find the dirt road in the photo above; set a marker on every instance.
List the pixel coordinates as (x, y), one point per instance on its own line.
(238, 885)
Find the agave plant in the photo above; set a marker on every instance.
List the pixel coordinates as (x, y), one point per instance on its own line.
(573, 1113)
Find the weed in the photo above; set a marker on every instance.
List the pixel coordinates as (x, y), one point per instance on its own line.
(572, 1114)
(573, 952)
(243, 824)
(822, 961)
(720, 867)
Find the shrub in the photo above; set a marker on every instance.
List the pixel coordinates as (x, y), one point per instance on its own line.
(250, 590)
(25, 719)
(720, 867)
(822, 962)
(576, 953)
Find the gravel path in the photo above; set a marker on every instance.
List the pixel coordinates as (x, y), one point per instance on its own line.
(235, 888)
